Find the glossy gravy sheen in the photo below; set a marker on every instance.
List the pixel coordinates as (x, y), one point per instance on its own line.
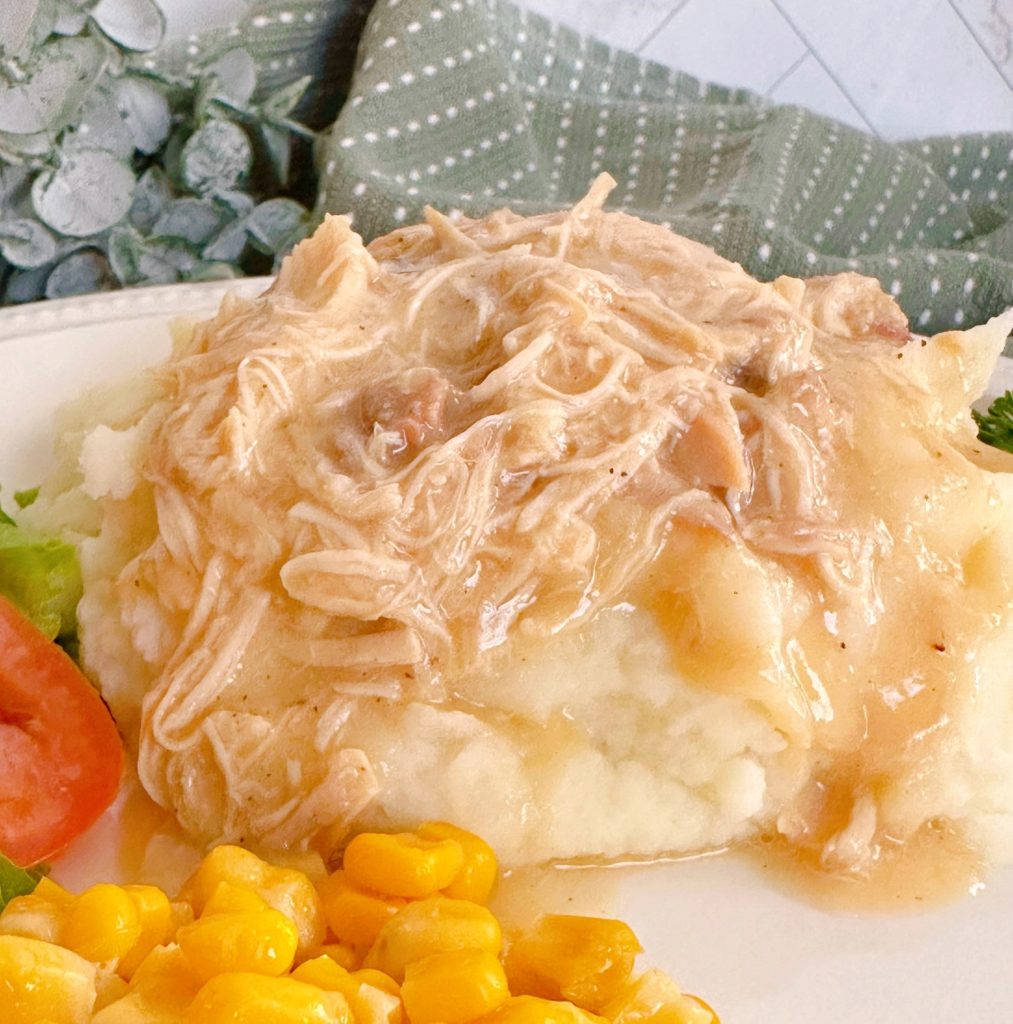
(870, 681)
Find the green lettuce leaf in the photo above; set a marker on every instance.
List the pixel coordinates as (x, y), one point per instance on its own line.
(15, 881)
(26, 498)
(40, 575)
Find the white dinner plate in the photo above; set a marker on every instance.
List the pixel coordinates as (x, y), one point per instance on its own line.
(760, 954)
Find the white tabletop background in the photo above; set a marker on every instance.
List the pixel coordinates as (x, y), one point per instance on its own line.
(897, 68)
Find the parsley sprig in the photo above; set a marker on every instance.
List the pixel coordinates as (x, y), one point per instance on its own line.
(996, 426)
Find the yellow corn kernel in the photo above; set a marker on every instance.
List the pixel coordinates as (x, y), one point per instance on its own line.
(532, 1010)
(305, 862)
(49, 890)
(288, 891)
(701, 1012)
(434, 925)
(376, 1004)
(373, 998)
(257, 942)
(654, 998)
(154, 912)
(222, 864)
(402, 865)
(582, 960)
(164, 978)
(230, 898)
(38, 915)
(342, 955)
(477, 877)
(182, 913)
(256, 999)
(378, 980)
(134, 1008)
(102, 924)
(33, 917)
(355, 916)
(291, 893)
(109, 987)
(161, 989)
(453, 988)
(323, 972)
(39, 981)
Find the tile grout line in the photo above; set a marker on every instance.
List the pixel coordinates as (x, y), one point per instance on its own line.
(789, 71)
(984, 49)
(823, 64)
(663, 24)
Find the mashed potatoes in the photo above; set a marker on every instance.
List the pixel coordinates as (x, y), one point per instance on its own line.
(563, 528)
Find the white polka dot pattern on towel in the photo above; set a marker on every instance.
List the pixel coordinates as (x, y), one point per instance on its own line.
(476, 104)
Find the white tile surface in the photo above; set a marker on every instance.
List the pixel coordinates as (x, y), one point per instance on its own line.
(898, 67)
(808, 84)
(991, 23)
(623, 23)
(734, 42)
(946, 83)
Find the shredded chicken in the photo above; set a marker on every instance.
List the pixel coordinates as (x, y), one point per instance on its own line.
(407, 460)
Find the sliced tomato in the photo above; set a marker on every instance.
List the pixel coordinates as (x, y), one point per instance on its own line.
(60, 754)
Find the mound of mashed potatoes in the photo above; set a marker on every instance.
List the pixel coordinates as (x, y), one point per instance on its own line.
(563, 528)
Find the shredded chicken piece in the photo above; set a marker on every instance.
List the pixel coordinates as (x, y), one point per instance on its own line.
(403, 459)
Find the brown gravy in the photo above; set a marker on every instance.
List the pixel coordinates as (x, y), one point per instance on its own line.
(932, 868)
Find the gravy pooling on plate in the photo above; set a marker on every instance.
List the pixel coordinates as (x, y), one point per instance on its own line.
(565, 528)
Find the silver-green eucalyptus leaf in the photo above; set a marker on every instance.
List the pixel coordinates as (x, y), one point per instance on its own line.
(281, 103)
(86, 270)
(25, 25)
(77, 111)
(26, 243)
(172, 153)
(15, 185)
(26, 149)
(278, 144)
(152, 269)
(175, 251)
(16, 26)
(136, 259)
(89, 192)
(234, 203)
(232, 77)
(191, 220)
(276, 224)
(123, 250)
(101, 126)
(144, 108)
(49, 90)
(217, 156)
(134, 24)
(204, 100)
(151, 195)
(26, 285)
(214, 271)
(229, 245)
(71, 18)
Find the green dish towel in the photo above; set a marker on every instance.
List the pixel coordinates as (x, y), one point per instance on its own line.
(475, 104)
